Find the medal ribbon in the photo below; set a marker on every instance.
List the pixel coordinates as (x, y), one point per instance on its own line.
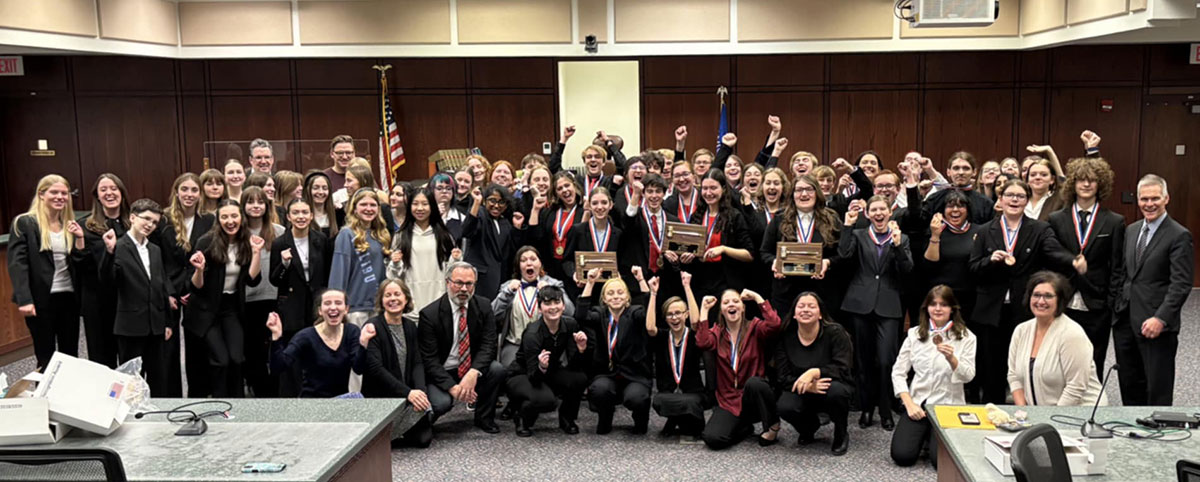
(591, 184)
(561, 224)
(1010, 242)
(933, 330)
(528, 304)
(966, 225)
(686, 210)
(770, 215)
(613, 328)
(599, 243)
(656, 230)
(1081, 236)
(710, 223)
(678, 355)
(804, 233)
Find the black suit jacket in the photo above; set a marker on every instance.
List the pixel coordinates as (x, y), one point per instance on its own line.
(297, 294)
(1037, 249)
(142, 305)
(1160, 284)
(490, 252)
(635, 248)
(382, 377)
(875, 284)
(175, 258)
(1104, 253)
(436, 331)
(205, 303)
(32, 270)
(579, 238)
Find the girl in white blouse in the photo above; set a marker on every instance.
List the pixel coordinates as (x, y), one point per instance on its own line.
(1050, 357)
(940, 351)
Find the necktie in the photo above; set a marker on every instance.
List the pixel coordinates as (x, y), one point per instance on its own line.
(464, 344)
(654, 254)
(1084, 217)
(1143, 240)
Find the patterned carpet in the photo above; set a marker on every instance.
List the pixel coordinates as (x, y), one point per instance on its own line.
(461, 452)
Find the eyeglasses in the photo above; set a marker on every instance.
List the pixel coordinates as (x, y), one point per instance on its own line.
(1015, 196)
(682, 175)
(462, 284)
(343, 153)
(885, 186)
(496, 201)
(676, 314)
(806, 190)
(1043, 296)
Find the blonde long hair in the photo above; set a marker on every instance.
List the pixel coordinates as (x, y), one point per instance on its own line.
(174, 212)
(377, 228)
(37, 210)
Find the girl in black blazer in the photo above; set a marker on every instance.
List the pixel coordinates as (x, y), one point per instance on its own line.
(317, 194)
(98, 302)
(804, 220)
(299, 270)
(726, 259)
(552, 225)
(622, 368)
(595, 232)
(873, 302)
(218, 299)
(1006, 252)
(178, 232)
(44, 248)
(681, 393)
(494, 237)
(392, 367)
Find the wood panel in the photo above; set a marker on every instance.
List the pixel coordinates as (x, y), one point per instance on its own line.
(242, 118)
(520, 73)
(195, 130)
(1031, 119)
(510, 126)
(861, 69)
(1074, 109)
(135, 138)
(427, 73)
(662, 113)
(427, 124)
(337, 74)
(123, 74)
(780, 70)
(14, 335)
(685, 72)
(885, 121)
(976, 121)
(970, 67)
(25, 120)
(802, 115)
(1078, 63)
(42, 74)
(1167, 123)
(257, 74)
(1169, 65)
(326, 116)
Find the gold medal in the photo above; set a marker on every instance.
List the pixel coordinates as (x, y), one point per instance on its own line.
(937, 339)
(659, 262)
(1010, 260)
(558, 250)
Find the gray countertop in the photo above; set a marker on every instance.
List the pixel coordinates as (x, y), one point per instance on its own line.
(314, 437)
(1128, 459)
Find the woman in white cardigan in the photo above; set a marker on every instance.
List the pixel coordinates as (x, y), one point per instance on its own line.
(1050, 358)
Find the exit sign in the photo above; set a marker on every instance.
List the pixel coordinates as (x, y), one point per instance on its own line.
(1195, 54)
(11, 65)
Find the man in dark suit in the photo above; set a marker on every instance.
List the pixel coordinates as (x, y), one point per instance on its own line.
(643, 224)
(1097, 236)
(458, 348)
(145, 296)
(1158, 278)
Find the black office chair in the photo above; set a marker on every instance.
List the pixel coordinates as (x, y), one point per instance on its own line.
(1187, 471)
(1037, 455)
(97, 464)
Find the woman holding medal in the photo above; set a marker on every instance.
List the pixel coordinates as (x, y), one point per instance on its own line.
(1006, 252)
(873, 301)
(681, 393)
(595, 232)
(623, 369)
(556, 221)
(744, 397)
(726, 258)
(804, 220)
(940, 351)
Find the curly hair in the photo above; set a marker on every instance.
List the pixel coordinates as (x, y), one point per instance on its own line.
(1094, 169)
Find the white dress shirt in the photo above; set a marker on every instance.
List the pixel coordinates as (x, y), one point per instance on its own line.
(934, 382)
(143, 252)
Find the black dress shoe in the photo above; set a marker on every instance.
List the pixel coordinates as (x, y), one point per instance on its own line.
(888, 423)
(487, 426)
(867, 419)
(841, 442)
(568, 427)
(640, 427)
(669, 429)
(604, 425)
(507, 413)
(523, 430)
(805, 438)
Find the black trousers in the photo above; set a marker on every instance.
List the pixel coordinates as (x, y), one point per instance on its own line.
(802, 410)
(1098, 325)
(1147, 366)
(991, 356)
(98, 330)
(417, 436)
(724, 429)
(606, 392)
(290, 380)
(910, 437)
(263, 384)
(171, 366)
(196, 360)
(55, 328)
(876, 343)
(685, 410)
(487, 390)
(150, 348)
(226, 351)
(534, 399)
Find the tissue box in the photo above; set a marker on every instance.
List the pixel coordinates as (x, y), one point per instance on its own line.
(27, 422)
(84, 394)
(997, 449)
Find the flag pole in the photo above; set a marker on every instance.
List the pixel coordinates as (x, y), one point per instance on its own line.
(385, 142)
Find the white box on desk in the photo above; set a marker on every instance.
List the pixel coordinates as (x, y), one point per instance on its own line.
(997, 450)
(84, 394)
(27, 422)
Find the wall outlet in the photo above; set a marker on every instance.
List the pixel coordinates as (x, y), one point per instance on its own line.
(546, 148)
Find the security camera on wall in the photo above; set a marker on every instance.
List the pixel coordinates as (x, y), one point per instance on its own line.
(948, 13)
(590, 45)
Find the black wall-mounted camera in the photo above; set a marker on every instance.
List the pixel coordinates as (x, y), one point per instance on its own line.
(590, 45)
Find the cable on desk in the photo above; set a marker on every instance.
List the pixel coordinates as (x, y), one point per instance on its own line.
(1128, 430)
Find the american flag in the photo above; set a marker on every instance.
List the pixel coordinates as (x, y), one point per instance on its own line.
(389, 139)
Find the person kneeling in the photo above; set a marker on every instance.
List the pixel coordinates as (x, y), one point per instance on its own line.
(550, 364)
(814, 363)
(392, 365)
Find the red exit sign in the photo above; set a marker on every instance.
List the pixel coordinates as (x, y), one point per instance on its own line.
(11, 65)
(1195, 54)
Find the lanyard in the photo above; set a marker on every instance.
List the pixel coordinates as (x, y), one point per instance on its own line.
(686, 210)
(1080, 235)
(804, 233)
(561, 223)
(599, 240)
(678, 355)
(528, 304)
(710, 223)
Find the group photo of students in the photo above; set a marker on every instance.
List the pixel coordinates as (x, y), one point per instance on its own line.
(938, 281)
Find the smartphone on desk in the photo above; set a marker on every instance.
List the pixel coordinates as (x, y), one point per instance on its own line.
(968, 418)
(263, 468)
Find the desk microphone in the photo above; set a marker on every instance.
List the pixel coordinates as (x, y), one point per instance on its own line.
(195, 424)
(1090, 429)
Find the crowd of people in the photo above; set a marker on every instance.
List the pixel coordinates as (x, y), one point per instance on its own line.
(993, 281)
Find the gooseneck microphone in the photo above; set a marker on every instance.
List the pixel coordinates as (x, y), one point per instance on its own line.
(1091, 429)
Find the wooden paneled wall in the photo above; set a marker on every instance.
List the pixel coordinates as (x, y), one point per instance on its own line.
(147, 119)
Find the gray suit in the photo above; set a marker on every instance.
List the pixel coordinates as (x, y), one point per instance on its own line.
(1156, 285)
